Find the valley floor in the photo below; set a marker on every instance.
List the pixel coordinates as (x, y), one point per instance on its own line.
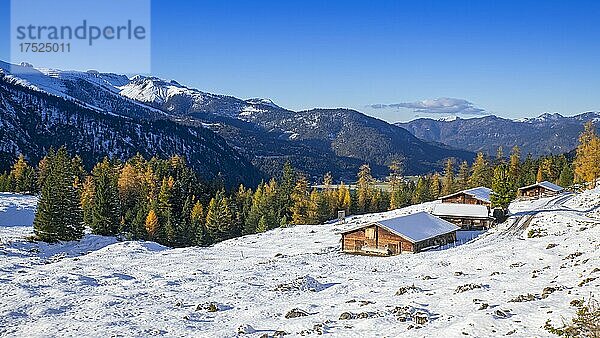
(500, 283)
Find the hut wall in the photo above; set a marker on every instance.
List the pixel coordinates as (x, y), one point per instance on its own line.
(383, 240)
(394, 243)
(436, 241)
(355, 240)
(467, 223)
(536, 192)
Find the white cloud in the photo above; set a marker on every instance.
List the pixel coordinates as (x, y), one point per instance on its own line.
(442, 105)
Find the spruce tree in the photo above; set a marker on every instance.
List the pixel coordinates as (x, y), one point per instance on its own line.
(384, 200)
(503, 187)
(262, 225)
(285, 190)
(78, 170)
(219, 218)
(166, 231)
(184, 234)
(105, 213)
(138, 224)
(197, 218)
(243, 205)
(422, 190)
(566, 176)
(58, 215)
(463, 176)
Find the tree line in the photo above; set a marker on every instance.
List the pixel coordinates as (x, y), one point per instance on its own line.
(165, 201)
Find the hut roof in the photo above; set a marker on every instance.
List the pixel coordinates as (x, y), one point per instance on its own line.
(460, 210)
(546, 185)
(415, 227)
(479, 193)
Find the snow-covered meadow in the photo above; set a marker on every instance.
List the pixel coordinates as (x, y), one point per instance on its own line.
(500, 283)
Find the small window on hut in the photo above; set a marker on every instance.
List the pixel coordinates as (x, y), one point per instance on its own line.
(370, 233)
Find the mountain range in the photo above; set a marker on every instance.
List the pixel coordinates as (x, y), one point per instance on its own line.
(542, 135)
(241, 141)
(99, 114)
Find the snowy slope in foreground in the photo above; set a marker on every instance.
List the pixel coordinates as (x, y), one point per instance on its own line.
(16, 210)
(99, 287)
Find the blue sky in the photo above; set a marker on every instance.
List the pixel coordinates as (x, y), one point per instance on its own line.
(392, 59)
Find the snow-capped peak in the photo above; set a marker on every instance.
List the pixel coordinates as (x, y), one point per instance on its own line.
(150, 89)
(549, 116)
(545, 117)
(137, 78)
(266, 102)
(588, 116)
(449, 118)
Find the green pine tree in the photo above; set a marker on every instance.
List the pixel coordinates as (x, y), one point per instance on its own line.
(166, 232)
(463, 176)
(422, 190)
(285, 190)
(58, 215)
(105, 209)
(184, 231)
(219, 218)
(566, 176)
(503, 187)
(198, 223)
(262, 224)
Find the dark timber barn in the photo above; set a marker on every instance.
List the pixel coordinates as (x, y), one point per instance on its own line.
(405, 234)
(541, 189)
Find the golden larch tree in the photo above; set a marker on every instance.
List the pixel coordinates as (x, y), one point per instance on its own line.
(587, 162)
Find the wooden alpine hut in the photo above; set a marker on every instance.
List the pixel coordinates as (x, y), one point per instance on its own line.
(404, 234)
(466, 216)
(540, 189)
